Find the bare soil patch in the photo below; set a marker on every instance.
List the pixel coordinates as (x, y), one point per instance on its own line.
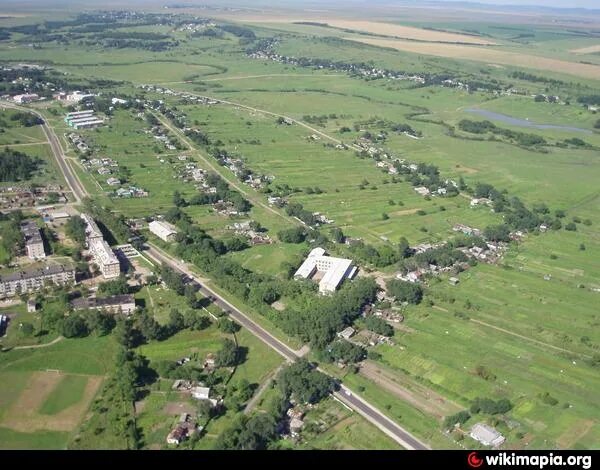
(176, 408)
(23, 415)
(406, 211)
(418, 395)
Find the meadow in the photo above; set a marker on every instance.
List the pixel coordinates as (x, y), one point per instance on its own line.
(530, 320)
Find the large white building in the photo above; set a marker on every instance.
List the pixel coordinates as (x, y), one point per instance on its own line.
(103, 255)
(163, 230)
(328, 270)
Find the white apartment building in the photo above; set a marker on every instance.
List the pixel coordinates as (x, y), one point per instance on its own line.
(34, 245)
(103, 255)
(31, 280)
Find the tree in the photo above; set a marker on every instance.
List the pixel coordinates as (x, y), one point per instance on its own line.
(497, 233)
(124, 333)
(292, 235)
(337, 235)
(149, 327)
(404, 291)
(379, 326)
(302, 381)
(194, 321)
(228, 355)
(345, 351)
(228, 326)
(74, 326)
(75, 229)
(115, 287)
(178, 200)
(99, 322)
(571, 227)
(176, 321)
(459, 418)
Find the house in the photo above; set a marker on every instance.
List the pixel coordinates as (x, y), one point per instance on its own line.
(422, 190)
(113, 181)
(163, 230)
(486, 435)
(296, 426)
(330, 271)
(178, 435)
(31, 306)
(25, 98)
(185, 428)
(347, 333)
(124, 304)
(453, 281)
(201, 393)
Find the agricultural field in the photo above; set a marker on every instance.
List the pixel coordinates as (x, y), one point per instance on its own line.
(323, 113)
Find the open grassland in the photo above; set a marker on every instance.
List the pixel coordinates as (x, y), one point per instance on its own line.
(494, 56)
(76, 356)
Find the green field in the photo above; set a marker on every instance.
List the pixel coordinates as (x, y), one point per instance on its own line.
(531, 319)
(68, 392)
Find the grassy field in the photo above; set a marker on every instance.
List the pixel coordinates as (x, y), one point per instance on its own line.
(531, 320)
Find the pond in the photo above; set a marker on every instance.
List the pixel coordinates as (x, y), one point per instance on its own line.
(513, 121)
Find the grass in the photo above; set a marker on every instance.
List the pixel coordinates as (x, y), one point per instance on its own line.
(68, 392)
(442, 350)
(76, 356)
(38, 440)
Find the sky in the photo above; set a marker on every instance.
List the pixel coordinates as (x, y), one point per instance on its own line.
(595, 4)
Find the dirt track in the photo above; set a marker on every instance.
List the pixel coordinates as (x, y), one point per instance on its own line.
(417, 395)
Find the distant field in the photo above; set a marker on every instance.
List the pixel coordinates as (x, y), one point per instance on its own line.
(587, 50)
(406, 32)
(487, 55)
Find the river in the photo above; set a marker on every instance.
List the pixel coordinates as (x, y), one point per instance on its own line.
(513, 121)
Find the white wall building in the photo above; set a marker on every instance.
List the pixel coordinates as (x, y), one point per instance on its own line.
(103, 255)
(33, 240)
(163, 230)
(487, 435)
(334, 270)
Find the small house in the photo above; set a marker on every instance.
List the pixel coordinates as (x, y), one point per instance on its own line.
(31, 306)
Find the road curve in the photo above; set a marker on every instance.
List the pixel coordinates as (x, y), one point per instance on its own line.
(361, 406)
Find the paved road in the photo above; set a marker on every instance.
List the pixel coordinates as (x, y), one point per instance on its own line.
(376, 417)
(345, 395)
(76, 187)
(161, 257)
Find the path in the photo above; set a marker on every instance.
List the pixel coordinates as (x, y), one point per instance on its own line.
(45, 345)
(264, 386)
(541, 343)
